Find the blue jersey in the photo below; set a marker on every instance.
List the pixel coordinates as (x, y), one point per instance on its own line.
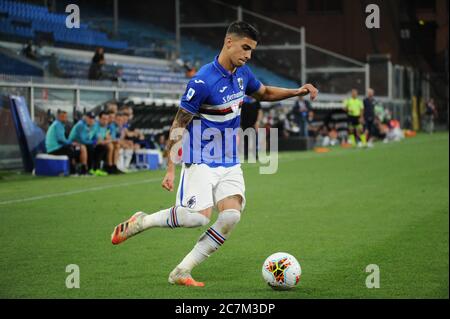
(215, 96)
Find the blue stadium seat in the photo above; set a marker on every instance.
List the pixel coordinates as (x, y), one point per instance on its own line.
(41, 20)
(44, 21)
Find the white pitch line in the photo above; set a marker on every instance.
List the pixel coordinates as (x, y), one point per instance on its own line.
(98, 188)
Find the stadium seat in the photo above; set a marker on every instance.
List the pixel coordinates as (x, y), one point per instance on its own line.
(40, 20)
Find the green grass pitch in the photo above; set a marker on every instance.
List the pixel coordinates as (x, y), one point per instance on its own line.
(337, 212)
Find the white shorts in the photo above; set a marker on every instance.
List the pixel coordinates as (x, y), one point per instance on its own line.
(202, 186)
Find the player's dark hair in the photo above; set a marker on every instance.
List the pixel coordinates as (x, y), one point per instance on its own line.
(243, 29)
(102, 113)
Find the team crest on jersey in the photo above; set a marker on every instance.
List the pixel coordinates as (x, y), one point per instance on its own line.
(191, 202)
(190, 94)
(241, 83)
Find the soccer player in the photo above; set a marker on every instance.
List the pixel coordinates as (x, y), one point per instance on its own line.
(354, 108)
(213, 98)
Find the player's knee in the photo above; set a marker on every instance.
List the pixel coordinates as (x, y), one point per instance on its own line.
(190, 218)
(231, 202)
(196, 220)
(204, 221)
(230, 217)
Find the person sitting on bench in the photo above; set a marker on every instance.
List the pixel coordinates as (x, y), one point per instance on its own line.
(56, 143)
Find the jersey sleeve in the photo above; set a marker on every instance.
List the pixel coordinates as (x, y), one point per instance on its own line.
(196, 93)
(253, 83)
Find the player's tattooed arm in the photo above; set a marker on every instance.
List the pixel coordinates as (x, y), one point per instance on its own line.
(273, 93)
(181, 121)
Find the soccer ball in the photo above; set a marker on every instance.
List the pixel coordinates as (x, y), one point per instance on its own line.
(281, 271)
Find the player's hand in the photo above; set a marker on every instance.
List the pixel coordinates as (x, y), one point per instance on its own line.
(168, 180)
(308, 89)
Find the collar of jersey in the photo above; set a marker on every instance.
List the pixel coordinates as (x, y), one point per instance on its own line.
(224, 72)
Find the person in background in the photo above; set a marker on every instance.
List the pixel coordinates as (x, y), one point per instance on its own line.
(124, 146)
(251, 116)
(56, 143)
(131, 133)
(333, 135)
(161, 141)
(313, 125)
(111, 106)
(380, 113)
(188, 68)
(118, 76)
(128, 111)
(29, 51)
(369, 117)
(322, 138)
(80, 134)
(301, 109)
(430, 115)
(354, 108)
(115, 134)
(395, 132)
(103, 145)
(96, 68)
